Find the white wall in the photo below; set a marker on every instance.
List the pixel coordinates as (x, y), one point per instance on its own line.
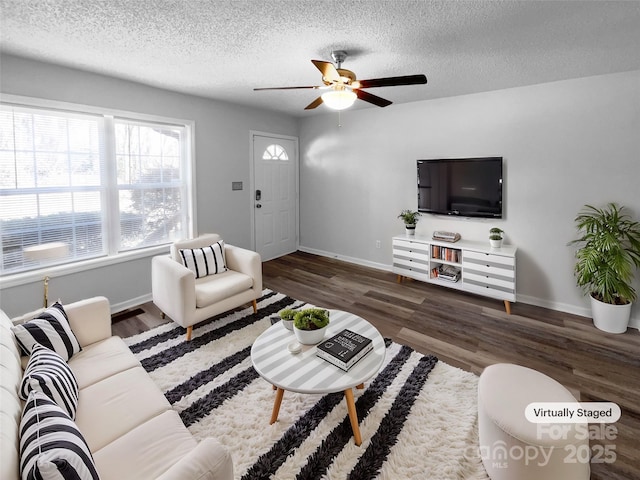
(222, 156)
(565, 144)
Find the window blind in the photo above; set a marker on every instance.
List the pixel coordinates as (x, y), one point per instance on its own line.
(99, 184)
(149, 181)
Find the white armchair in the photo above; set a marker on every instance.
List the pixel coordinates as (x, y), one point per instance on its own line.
(188, 300)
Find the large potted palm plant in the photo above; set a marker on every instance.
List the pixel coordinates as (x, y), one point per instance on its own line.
(606, 260)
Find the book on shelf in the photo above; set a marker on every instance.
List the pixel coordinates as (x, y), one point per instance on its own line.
(345, 349)
(448, 272)
(434, 272)
(453, 255)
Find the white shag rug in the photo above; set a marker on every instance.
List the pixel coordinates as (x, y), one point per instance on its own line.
(418, 416)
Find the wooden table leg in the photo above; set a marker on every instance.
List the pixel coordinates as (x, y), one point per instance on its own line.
(507, 307)
(276, 406)
(360, 387)
(353, 416)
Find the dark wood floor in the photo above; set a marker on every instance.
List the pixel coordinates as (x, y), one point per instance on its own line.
(471, 332)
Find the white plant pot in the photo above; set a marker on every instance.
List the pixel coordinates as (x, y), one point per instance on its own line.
(309, 337)
(610, 318)
(410, 229)
(495, 243)
(288, 324)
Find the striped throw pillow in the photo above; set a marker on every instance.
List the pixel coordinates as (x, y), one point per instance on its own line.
(205, 261)
(48, 373)
(51, 446)
(51, 329)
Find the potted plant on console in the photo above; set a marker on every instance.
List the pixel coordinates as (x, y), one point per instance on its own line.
(495, 237)
(410, 218)
(310, 324)
(608, 254)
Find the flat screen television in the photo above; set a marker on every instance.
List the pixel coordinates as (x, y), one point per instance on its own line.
(465, 187)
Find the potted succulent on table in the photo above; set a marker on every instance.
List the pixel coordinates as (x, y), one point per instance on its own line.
(410, 218)
(310, 324)
(608, 254)
(286, 316)
(496, 236)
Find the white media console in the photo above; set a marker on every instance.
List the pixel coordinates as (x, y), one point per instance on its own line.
(464, 265)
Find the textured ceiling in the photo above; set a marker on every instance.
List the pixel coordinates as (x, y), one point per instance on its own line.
(223, 49)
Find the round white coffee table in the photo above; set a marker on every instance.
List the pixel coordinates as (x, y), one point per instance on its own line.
(304, 372)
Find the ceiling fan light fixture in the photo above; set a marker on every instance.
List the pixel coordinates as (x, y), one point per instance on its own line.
(339, 99)
(345, 89)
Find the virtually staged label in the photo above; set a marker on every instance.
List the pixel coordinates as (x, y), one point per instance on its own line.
(572, 412)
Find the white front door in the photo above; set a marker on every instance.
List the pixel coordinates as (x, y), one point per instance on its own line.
(275, 195)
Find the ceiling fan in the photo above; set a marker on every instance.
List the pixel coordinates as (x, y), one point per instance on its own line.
(343, 88)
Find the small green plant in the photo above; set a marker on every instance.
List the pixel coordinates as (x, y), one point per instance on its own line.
(495, 233)
(409, 217)
(311, 319)
(608, 255)
(287, 314)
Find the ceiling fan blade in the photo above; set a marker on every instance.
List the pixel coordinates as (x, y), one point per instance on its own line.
(316, 103)
(367, 97)
(393, 81)
(329, 72)
(285, 88)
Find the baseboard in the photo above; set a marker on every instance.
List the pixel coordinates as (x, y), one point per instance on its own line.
(354, 260)
(131, 303)
(634, 322)
(538, 302)
(560, 307)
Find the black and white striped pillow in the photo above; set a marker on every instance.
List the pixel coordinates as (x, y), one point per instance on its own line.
(48, 373)
(51, 446)
(51, 329)
(205, 261)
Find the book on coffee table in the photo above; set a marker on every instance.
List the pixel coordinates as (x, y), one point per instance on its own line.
(344, 349)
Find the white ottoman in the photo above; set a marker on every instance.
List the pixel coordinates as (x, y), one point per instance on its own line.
(512, 448)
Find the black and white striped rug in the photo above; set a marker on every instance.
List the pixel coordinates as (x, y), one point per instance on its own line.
(417, 417)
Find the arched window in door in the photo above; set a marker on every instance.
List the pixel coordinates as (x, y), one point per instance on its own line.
(275, 152)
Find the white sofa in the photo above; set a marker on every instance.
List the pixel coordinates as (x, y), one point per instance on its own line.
(128, 424)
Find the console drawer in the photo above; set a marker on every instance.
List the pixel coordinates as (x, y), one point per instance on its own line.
(488, 281)
(488, 270)
(488, 258)
(494, 291)
(412, 270)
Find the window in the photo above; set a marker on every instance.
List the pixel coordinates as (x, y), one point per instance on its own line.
(98, 183)
(150, 189)
(275, 152)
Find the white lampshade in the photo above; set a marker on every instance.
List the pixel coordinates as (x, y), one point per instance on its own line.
(46, 251)
(339, 99)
